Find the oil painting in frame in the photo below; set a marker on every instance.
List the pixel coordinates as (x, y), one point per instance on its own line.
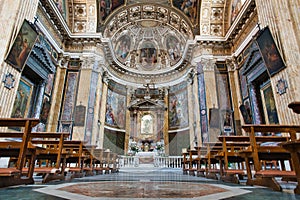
(269, 106)
(22, 100)
(22, 46)
(269, 51)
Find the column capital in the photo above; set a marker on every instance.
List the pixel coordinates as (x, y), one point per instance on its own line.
(105, 77)
(63, 61)
(208, 64)
(231, 64)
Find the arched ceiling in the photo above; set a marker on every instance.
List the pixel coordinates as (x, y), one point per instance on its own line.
(145, 39)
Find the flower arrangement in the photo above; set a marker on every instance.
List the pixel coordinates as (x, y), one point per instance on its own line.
(159, 146)
(134, 147)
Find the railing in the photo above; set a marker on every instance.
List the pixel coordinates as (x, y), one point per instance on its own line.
(158, 161)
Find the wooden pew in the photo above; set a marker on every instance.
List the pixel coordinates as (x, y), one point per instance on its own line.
(201, 161)
(207, 156)
(107, 161)
(294, 148)
(73, 149)
(52, 152)
(98, 161)
(114, 163)
(231, 145)
(192, 162)
(88, 152)
(258, 152)
(185, 162)
(13, 176)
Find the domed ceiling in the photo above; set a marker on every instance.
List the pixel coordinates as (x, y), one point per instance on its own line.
(146, 39)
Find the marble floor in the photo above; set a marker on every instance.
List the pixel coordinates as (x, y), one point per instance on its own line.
(144, 183)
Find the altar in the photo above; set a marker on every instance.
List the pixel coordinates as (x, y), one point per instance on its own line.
(146, 157)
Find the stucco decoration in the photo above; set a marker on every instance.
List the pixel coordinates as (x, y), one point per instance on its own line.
(148, 46)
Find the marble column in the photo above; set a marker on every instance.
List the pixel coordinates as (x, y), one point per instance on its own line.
(255, 105)
(208, 96)
(234, 89)
(39, 99)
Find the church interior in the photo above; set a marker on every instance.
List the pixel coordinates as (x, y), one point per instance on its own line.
(134, 99)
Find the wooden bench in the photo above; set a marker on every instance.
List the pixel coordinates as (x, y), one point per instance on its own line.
(192, 161)
(13, 176)
(259, 152)
(88, 162)
(52, 143)
(207, 153)
(231, 145)
(98, 161)
(38, 145)
(294, 148)
(74, 158)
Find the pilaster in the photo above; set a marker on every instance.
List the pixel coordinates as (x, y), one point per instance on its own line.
(166, 122)
(58, 91)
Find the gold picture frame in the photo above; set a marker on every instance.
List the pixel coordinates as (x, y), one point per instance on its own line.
(22, 46)
(268, 103)
(22, 100)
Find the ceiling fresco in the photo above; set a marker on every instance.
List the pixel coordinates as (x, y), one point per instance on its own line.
(148, 46)
(148, 39)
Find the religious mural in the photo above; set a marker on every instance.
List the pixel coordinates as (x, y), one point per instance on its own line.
(189, 7)
(115, 109)
(148, 55)
(61, 6)
(105, 7)
(235, 8)
(122, 47)
(178, 106)
(173, 48)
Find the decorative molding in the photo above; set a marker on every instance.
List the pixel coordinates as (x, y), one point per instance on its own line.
(281, 86)
(208, 64)
(9, 81)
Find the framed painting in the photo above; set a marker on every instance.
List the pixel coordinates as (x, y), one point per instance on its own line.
(269, 106)
(22, 100)
(79, 118)
(243, 84)
(49, 85)
(269, 52)
(22, 46)
(245, 110)
(45, 110)
(147, 124)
